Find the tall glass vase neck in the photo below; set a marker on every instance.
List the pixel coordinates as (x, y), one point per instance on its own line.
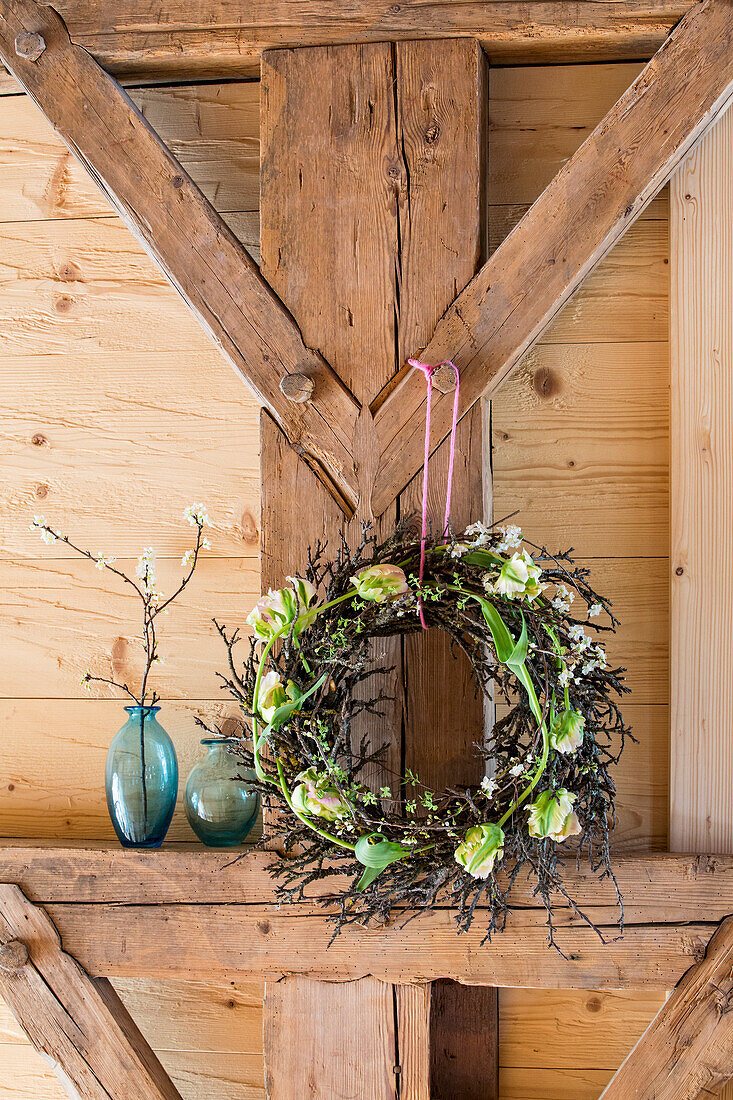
(146, 712)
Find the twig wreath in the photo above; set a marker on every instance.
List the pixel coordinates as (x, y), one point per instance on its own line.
(311, 673)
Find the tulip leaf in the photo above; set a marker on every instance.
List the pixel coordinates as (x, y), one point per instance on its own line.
(375, 854)
(483, 558)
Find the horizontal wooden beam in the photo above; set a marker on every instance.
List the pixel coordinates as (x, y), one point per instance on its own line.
(180, 911)
(213, 38)
(686, 1053)
(589, 204)
(266, 941)
(185, 236)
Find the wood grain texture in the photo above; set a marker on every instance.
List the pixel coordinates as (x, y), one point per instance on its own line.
(89, 624)
(463, 1047)
(687, 1050)
(399, 134)
(81, 1025)
(183, 233)
(581, 442)
(702, 516)
(658, 888)
(198, 39)
(550, 1029)
(261, 941)
(676, 97)
(212, 130)
(355, 1052)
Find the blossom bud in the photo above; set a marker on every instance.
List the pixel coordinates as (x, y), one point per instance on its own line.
(480, 849)
(380, 583)
(552, 815)
(566, 734)
(317, 796)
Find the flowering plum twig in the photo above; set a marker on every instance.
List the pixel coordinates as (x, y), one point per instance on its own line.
(153, 604)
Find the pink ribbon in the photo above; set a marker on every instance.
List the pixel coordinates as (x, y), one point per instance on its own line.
(429, 371)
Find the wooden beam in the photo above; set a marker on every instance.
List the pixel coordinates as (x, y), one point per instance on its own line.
(215, 38)
(687, 1050)
(657, 888)
(181, 912)
(259, 941)
(398, 132)
(185, 236)
(80, 1025)
(701, 507)
(573, 224)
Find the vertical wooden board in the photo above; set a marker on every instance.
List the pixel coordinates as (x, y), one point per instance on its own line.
(701, 497)
(329, 248)
(463, 1059)
(701, 236)
(356, 1047)
(398, 135)
(442, 89)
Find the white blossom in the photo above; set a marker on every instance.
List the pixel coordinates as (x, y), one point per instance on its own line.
(197, 515)
(511, 538)
(488, 786)
(187, 559)
(594, 610)
(205, 544)
(101, 560)
(517, 770)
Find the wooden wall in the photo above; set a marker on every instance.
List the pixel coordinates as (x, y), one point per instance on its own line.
(115, 412)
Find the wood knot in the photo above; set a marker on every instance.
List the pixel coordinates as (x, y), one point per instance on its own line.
(177, 182)
(432, 133)
(29, 45)
(545, 382)
(297, 387)
(39, 440)
(444, 379)
(13, 957)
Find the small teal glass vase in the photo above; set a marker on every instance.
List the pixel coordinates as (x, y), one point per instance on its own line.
(221, 806)
(141, 780)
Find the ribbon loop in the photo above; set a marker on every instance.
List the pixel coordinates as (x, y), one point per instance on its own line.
(429, 371)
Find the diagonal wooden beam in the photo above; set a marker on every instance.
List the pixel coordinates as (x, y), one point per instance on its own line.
(78, 1023)
(578, 218)
(687, 1050)
(184, 235)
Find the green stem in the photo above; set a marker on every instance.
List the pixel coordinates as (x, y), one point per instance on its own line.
(539, 771)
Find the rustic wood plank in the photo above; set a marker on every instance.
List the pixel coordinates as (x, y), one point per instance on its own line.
(556, 1029)
(211, 129)
(399, 133)
(267, 941)
(463, 1058)
(89, 624)
(702, 516)
(187, 238)
(688, 1048)
(81, 1025)
(657, 888)
(355, 1059)
(96, 441)
(677, 96)
(581, 433)
(201, 38)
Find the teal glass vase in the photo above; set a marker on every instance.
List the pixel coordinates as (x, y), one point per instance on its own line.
(221, 805)
(141, 780)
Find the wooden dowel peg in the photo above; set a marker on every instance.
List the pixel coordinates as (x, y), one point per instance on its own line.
(29, 45)
(13, 957)
(444, 379)
(297, 387)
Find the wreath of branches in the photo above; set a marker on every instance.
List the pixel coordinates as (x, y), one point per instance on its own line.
(312, 671)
